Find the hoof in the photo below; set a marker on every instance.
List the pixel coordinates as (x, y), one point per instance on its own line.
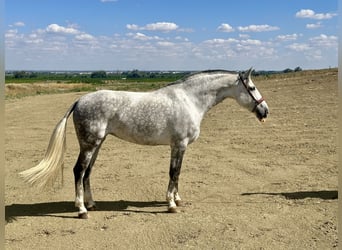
(83, 216)
(92, 208)
(179, 203)
(172, 210)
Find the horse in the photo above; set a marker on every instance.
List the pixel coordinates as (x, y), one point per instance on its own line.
(170, 115)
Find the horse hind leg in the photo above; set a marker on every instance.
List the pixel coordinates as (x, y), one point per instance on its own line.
(82, 172)
(88, 198)
(79, 172)
(178, 199)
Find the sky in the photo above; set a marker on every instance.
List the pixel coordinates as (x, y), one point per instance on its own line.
(170, 34)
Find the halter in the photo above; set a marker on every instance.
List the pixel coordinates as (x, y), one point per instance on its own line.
(257, 101)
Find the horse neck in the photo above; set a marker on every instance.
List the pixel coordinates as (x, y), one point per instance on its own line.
(209, 91)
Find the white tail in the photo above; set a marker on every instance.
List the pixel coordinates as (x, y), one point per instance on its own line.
(46, 172)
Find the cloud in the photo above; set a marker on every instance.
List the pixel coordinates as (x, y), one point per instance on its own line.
(141, 36)
(158, 26)
(285, 38)
(225, 27)
(84, 37)
(324, 41)
(314, 25)
(299, 47)
(251, 42)
(231, 49)
(162, 26)
(52, 38)
(321, 42)
(257, 28)
(307, 13)
(12, 33)
(17, 24)
(219, 41)
(316, 50)
(132, 27)
(179, 38)
(165, 44)
(108, 1)
(55, 28)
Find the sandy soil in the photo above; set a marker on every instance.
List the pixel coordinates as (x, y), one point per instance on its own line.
(245, 185)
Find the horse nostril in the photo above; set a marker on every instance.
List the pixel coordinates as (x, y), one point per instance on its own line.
(266, 113)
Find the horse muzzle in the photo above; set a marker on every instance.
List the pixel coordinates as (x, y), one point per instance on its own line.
(261, 111)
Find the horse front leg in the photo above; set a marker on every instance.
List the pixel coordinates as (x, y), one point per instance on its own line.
(172, 195)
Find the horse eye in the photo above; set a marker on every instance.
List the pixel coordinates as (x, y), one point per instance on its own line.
(251, 88)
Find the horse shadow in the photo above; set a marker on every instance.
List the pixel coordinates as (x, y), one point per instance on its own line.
(323, 195)
(60, 208)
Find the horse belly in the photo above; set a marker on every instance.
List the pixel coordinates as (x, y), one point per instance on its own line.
(140, 136)
(141, 130)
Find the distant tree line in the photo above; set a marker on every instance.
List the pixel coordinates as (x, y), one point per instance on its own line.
(271, 72)
(95, 76)
(24, 74)
(101, 75)
(288, 70)
(136, 74)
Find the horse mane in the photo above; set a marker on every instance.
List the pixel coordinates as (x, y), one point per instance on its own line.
(195, 74)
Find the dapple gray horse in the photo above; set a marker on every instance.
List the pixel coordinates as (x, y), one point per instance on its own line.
(171, 115)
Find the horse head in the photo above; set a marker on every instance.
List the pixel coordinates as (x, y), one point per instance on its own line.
(249, 96)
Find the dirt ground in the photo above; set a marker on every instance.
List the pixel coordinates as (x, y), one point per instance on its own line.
(245, 185)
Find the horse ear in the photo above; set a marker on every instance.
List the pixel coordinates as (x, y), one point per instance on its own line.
(249, 73)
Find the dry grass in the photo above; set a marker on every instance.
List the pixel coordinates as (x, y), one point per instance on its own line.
(18, 90)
